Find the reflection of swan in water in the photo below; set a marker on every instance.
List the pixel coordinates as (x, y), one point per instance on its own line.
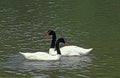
(75, 62)
(64, 63)
(16, 62)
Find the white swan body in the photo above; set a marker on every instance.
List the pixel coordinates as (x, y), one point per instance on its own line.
(66, 50)
(74, 50)
(45, 55)
(40, 56)
(71, 51)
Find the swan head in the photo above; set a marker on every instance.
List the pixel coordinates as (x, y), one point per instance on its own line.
(62, 40)
(50, 32)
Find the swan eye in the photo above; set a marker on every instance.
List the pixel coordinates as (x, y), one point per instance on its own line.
(49, 32)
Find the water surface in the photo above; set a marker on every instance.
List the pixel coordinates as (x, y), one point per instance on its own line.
(83, 23)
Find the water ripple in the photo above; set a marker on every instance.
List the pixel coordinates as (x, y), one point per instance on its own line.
(18, 65)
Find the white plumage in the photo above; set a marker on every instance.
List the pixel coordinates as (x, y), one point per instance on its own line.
(45, 55)
(66, 50)
(71, 51)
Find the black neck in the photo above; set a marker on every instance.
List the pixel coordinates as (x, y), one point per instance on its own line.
(53, 40)
(57, 48)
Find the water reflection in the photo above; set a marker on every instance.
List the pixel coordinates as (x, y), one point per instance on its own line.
(75, 62)
(18, 65)
(83, 23)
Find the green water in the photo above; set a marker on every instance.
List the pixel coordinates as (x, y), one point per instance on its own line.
(85, 23)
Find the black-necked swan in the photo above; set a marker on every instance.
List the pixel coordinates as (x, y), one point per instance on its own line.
(45, 55)
(66, 50)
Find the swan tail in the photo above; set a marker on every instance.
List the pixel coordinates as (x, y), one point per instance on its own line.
(90, 49)
(24, 54)
(21, 53)
(86, 51)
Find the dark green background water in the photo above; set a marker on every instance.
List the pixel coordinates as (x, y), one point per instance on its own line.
(85, 23)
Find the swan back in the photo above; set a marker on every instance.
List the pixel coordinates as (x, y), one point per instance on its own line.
(45, 55)
(40, 56)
